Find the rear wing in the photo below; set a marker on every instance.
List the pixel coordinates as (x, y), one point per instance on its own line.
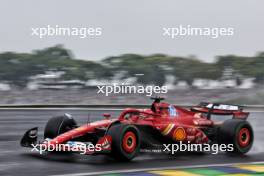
(220, 109)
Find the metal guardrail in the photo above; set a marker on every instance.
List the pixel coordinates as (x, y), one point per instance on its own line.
(106, 106)
(25, 106)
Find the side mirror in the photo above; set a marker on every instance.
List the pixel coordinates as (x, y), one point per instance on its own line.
(107, 115)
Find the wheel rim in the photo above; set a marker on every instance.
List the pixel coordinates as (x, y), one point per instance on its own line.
(129, 142)
(244, 137)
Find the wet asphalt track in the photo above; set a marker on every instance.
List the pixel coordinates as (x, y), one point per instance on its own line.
(15, 160)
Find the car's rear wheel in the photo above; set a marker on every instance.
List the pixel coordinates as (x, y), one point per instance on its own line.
(125, 141)
(237, 132)
(58, 125)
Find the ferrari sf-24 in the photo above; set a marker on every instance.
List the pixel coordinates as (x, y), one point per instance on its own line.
(134, 130)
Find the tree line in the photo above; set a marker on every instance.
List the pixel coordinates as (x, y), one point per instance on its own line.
(17, 68)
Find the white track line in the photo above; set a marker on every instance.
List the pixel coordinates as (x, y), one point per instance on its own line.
(153, 169)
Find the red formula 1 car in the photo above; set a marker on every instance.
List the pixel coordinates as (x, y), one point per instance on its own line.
(137, 129)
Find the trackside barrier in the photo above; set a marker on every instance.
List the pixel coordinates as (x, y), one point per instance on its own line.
(106, 106)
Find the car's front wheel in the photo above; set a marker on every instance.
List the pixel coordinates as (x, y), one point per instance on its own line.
(58, 125)
(125, 141)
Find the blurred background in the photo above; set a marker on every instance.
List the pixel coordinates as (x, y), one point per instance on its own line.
(131, 49)
(53, 76)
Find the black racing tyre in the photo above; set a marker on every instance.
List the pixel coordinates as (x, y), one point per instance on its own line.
(125, 141)
(237, 132)
(58, 125)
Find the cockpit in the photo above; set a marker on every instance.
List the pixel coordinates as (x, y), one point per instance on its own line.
(164, 109)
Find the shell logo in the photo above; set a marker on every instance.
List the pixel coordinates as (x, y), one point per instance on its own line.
(179, 134)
